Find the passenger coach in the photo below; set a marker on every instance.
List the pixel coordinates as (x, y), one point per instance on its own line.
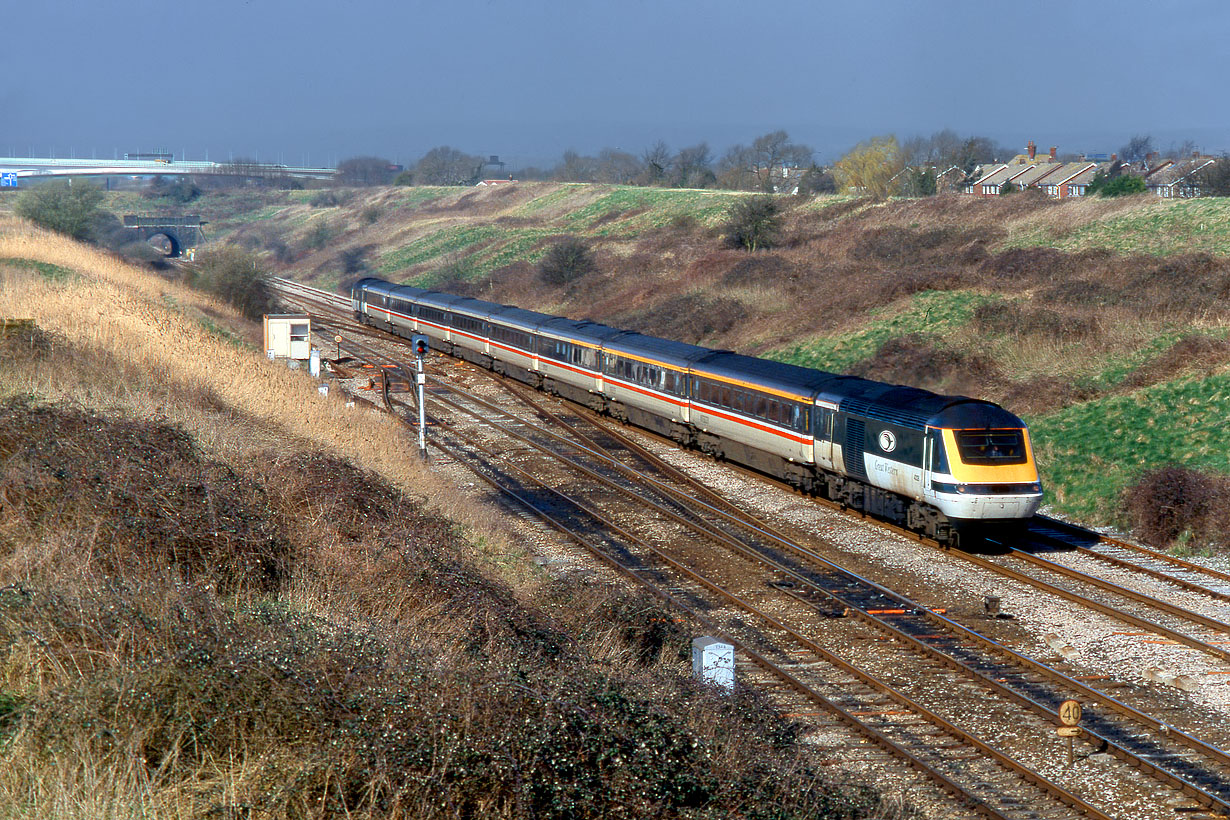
(939, 465)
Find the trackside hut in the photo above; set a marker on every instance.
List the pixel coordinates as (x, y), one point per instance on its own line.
(288, 335)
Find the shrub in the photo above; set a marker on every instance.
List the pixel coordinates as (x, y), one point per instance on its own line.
(566, 261)
(354, 260)
(1125, 185)
(319, 234)
(63, 207)
(1176, 503)
(754, 222)
(1016, 318)
(181, 190)
(235, 276)
(328, 199)
(371, 214)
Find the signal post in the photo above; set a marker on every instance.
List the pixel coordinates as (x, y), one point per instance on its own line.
(421, 349)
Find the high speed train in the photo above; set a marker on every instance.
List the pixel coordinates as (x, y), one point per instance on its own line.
(944, 466)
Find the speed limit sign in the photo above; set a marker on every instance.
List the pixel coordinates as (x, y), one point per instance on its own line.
(1070, 712)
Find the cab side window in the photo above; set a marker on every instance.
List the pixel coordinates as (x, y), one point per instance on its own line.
(939, 459)
(824, 424)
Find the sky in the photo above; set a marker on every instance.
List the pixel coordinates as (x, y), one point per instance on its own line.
(313, 82)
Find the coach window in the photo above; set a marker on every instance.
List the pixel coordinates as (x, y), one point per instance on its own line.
(798, 418)
(672, 382)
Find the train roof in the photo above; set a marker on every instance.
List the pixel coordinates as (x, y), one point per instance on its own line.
(373, 283)
(779, 376)
(676, 354)
(520, 318)
(588, 332)
(438, 300)
(407, 292)
(913, 406)
(475, 307)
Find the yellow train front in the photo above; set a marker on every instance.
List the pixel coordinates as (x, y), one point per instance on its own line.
(966, 465)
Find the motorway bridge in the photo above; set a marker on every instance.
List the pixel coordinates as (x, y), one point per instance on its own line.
(13, 169)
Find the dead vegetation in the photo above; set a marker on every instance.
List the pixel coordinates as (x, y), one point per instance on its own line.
(225, 596)
(299, 639)
(1178, 506)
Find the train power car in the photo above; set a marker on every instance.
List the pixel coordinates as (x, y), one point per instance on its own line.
(943, 466)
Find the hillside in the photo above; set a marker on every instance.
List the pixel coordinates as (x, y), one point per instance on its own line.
(1096, 320)
(227, 595)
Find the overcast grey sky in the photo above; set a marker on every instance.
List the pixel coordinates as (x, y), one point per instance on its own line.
(318, 81)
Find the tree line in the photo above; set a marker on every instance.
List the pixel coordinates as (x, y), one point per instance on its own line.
(771, 163)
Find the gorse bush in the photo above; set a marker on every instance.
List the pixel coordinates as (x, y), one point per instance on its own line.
(70, 208)
(754, 222)
(566, 261)
(237, 277)
(1174, 504)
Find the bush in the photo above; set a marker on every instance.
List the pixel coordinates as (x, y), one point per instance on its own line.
(754, 222)
(566, 261)
(237, 277)
(181, 190)
(1177, 504)
(1125, 185)
(63, 207)
(319, 234)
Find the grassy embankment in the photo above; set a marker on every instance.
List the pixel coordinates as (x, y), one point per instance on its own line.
(228, 596)
(1112, 310)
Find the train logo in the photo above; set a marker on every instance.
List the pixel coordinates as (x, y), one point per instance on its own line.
(888, 442)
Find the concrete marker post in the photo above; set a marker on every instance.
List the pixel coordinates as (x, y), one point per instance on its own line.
(713, 661)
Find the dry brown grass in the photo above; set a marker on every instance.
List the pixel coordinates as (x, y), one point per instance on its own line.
(226, 596)
(140, 333)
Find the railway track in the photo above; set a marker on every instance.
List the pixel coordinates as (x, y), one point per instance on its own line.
(802, 587)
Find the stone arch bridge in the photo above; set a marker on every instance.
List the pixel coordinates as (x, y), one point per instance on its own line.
(183, 232)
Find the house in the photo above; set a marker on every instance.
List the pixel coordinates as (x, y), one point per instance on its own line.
(1078, 184)
(1037, 175)
(1180, 179)
(990, 183)
(951, 179)
(1067, 178)
(1060, 180)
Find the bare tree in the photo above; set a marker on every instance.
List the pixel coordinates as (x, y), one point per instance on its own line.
(1137, 148)
(445, 165)
(365, 171)
(576, 168)
(657, 158)
(975, 151)
(617, 167)
(1179, 150)
(758, 166)
(1213, 179)
(735, 169)
(692, 167)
